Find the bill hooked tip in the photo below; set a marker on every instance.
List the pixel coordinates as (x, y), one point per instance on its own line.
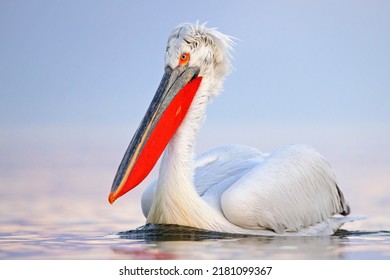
(111, 198)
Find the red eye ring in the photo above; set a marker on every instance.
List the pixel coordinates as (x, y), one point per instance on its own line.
(184, 59)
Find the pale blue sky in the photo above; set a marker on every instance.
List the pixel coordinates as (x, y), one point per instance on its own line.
(100, 61)
(76, 78)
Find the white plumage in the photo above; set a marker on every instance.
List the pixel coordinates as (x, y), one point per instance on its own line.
(237, 189)
(289, 192)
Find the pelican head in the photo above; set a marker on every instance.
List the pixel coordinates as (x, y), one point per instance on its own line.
(197, 59)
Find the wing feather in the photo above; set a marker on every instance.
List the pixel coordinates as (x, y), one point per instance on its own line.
(292, 189)
(223, 166)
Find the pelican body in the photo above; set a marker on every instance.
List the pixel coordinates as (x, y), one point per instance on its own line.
(234, 188)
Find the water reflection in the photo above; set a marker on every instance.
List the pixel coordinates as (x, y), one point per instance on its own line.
(237, 248)
(174, 242)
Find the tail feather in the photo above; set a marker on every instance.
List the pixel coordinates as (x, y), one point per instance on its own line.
(345, 209)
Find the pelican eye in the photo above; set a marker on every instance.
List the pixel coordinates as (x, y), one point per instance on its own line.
(184, 59)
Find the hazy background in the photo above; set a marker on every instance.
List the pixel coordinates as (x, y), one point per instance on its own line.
(76, 78)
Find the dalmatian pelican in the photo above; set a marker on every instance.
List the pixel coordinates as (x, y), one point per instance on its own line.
(234, 188)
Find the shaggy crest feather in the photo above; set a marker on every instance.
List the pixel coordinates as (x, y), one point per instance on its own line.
(209, 49)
